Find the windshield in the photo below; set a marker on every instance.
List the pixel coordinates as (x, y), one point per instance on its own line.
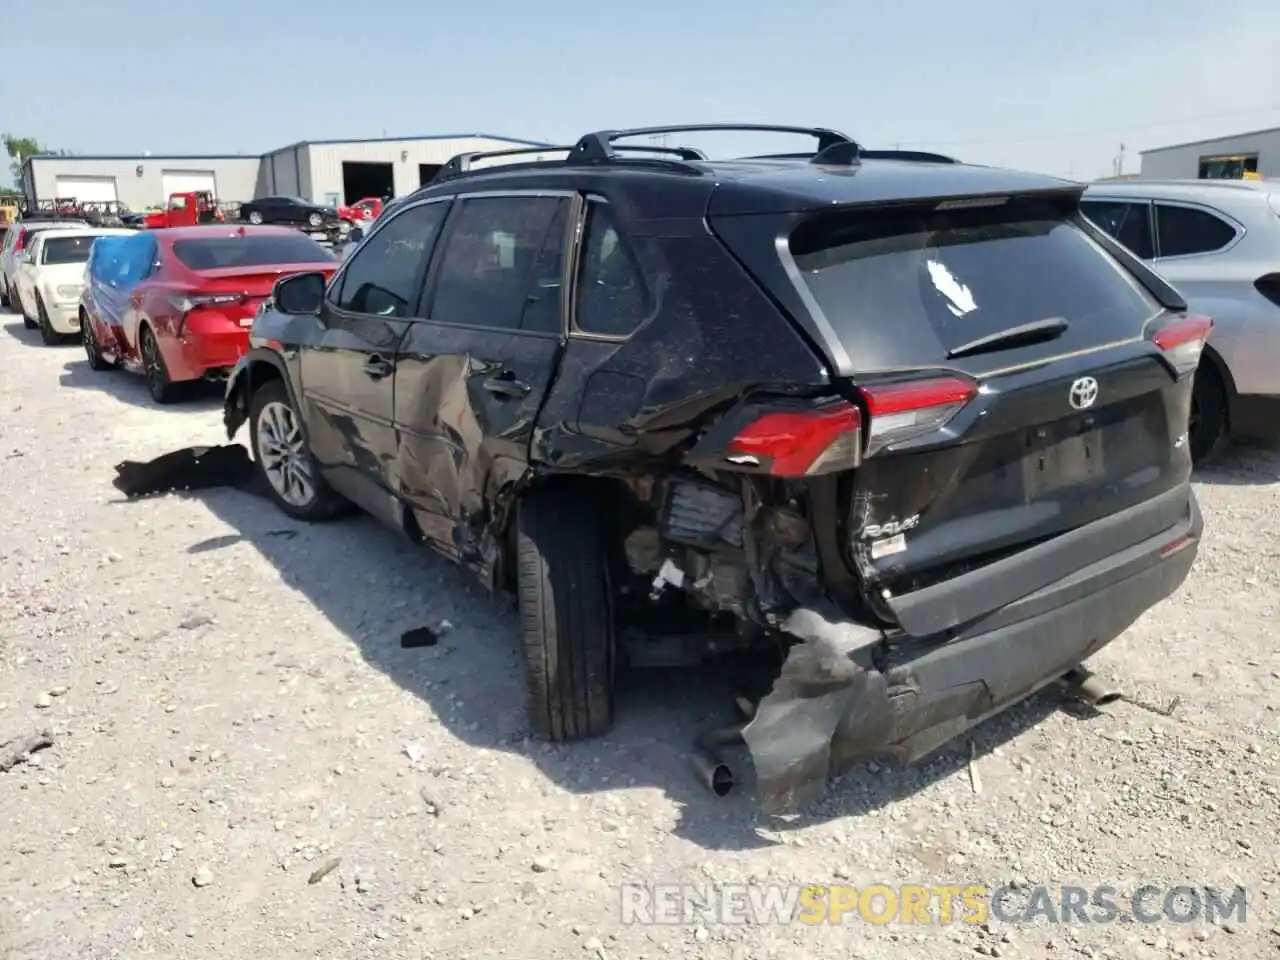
(221, 253)
(958, 276)
(59, 250)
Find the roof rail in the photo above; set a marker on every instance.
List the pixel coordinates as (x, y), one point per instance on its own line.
(460, 164)
(599, 146)
(463, 162)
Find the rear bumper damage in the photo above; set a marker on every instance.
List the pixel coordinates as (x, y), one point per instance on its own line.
(847, 692)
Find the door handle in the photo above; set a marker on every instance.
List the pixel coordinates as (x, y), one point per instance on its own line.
(507, 386)
(377, 367)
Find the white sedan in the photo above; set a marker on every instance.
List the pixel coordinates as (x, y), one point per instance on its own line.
(50, 275)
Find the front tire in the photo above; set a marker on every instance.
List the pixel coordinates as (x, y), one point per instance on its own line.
(315, 219)
(566, 614)
(50, 336)
(281, 452)
(1207, 429)
(20, 308)
(92, 349)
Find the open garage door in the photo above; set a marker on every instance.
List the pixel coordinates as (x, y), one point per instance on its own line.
(85, 189)
(188, 181)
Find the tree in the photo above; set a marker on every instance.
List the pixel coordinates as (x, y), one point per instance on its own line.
(21, 147)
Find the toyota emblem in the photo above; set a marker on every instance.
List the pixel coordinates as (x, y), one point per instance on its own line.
(1083, 393)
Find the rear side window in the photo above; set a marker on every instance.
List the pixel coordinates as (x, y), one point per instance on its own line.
(494, 250)
(611, 292)
(1129, 223)
(385, 272)
(61, 250)
(1185, 230)
(964, 274)
(250, 250)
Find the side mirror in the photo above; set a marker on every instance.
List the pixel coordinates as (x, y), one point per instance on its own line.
(356, 235)
(300, 294)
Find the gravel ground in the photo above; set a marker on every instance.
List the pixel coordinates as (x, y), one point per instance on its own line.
(232, 712)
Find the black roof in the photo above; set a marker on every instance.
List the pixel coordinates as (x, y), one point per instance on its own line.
(839, 172)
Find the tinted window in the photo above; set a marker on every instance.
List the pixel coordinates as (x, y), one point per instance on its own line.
(486, 268)
(383, 276)
(66, 250)
(542, 307)
(1129, 223)
(217, 253)
(1183, 231)
(611, 293)
(886, 279)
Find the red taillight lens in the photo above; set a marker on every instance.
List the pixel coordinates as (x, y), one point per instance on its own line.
(803, 443)
(1183, 341)
(1269, 287)
(900, 411)
(21, 242)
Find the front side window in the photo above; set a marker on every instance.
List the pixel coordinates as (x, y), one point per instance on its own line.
(493, 254)
(1127, 222)
(611, 292)
(384, 275)
(1183, 231)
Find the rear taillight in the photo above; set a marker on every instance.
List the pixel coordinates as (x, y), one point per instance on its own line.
(185, 303)
(803, 443)
(1183, 341)
(21, 242)
(900, 411)
(1269, 287)
(837, 435)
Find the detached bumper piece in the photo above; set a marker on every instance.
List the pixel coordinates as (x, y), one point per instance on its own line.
(847, 692)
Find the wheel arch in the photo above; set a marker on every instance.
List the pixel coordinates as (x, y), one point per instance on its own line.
(1214, 360)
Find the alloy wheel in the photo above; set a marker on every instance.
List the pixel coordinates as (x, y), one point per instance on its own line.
(282, 450)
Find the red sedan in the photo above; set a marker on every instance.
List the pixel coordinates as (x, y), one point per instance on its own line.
(176, 305)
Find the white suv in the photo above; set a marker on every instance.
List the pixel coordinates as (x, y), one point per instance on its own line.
(1218, 243)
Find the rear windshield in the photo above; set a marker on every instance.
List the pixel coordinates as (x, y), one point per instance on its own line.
(219, 253)
(67, 250)
(965, 274)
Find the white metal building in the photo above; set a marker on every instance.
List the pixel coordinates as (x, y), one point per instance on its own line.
(1222, 157)
(344, 171)
(322, 171)
(138, 181)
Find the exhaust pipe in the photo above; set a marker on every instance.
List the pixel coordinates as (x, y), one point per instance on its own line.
(1086, 686)
(709, 766)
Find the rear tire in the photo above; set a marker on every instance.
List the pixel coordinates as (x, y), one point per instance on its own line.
(4, 294)
(255, 218)
(269, 407)
(566, 614)
(161, 388)
(1207, 429)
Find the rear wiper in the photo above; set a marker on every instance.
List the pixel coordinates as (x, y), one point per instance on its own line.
(1037, 331)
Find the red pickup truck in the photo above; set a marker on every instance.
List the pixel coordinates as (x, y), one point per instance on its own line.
(185, 210)
(362, 211)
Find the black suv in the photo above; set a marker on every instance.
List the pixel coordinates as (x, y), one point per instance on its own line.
(914, 422)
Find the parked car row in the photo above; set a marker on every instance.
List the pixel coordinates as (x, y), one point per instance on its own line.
(924, 429)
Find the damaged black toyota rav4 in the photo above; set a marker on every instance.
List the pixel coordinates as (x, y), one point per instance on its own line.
(915, 423)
